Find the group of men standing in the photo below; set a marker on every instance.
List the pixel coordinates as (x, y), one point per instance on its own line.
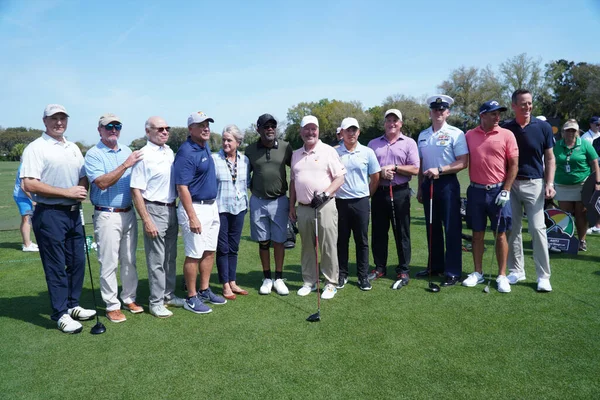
(510, 168)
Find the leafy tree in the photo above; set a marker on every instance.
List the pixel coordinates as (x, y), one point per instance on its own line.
(11, 136)
(83, 147)
(177, 136)
(138, 143)
(17, 151)
(523, 72)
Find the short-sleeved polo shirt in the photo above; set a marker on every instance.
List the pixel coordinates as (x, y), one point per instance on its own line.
(268, 167)
(489, 153)
(194, 167)
(402, 152)
(100, 160)
(578, 158)
(437, 149)
(360, 164)
(533, 140)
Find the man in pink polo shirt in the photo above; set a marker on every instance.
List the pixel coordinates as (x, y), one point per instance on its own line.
(492, 169)
(316, 174)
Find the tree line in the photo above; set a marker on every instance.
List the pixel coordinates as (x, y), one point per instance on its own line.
(561, 90)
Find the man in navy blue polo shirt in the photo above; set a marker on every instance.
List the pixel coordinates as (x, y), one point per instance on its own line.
(197, 213)
(534, 182)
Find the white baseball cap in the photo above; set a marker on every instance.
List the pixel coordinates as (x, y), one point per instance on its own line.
(198, 117)
(348, 122)
(309, 119)
(394, 111)
(52, 109)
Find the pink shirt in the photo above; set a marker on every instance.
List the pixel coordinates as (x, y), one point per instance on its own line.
(315, 170)
(489, 154)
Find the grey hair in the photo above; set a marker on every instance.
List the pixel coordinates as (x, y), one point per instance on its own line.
(148, 125)
(235, 132)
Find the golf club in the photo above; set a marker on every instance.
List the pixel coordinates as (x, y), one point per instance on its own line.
(99, 327)
(398, 284)
(316, 317)
(432, 286)
(487, 288)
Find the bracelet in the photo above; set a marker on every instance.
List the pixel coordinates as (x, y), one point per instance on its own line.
(550, 184)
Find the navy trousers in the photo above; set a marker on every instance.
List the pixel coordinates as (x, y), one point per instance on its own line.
(228, 245)
(446, 219)
(59, 235)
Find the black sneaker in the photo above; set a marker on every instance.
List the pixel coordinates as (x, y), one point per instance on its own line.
(403, 276)
(375, 274)
(342, 282)
(364, 284)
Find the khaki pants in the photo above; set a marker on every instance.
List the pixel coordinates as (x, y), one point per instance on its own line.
(328, 234)
(528, 194)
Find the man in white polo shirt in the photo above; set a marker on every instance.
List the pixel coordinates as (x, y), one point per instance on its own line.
(153, 192)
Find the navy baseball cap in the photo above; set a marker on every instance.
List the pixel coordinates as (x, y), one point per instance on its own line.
(263, 119)
(595, 120)
(490, 106)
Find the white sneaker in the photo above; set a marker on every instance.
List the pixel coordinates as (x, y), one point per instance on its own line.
(593, 231)
(515, 277)
(328, 292)
(81, 313)
(473, 279)
(544, 285)
(266, 286)
(306, 289)
(503, 284)
(175, 301)
(31, 248)
(280, 287)
(66, 324)
(160, 311)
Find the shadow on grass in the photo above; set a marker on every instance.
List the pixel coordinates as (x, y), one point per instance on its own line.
(11, 245)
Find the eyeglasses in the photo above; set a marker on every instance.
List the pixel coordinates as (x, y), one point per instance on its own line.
(110, 127)
(270, 126)
(163, 128)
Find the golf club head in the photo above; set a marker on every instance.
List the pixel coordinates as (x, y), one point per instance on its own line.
(316, 317)
(487, 288)
(98, 329)
(433, 287)
(397, 285)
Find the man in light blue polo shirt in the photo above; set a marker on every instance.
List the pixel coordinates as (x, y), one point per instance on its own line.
(443, 152)
(107, 166)
(352, 201)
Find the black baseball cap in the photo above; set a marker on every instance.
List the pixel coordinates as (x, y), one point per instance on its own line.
(263, 119)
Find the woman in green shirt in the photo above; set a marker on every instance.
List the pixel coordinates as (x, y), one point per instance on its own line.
(576, 159)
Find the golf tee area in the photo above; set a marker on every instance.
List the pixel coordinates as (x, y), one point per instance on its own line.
(459, 343)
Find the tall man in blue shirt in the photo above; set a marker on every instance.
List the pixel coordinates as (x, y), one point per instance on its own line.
(198, 216)
(443, 152)
(534, 182)
(352, 201)
(107, 166)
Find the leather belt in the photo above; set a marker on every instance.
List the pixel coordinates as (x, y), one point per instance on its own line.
(62, 207)
(112, 209)
(523, 178)
(486, 187)
(158, 203)
(211, 201)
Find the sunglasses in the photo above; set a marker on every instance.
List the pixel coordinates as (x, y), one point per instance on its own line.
(110, 127)
(163, 128)
(270, 126)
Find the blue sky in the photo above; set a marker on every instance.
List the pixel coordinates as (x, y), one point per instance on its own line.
(236, 60)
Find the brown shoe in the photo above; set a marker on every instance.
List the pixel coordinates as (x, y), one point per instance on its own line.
(116, 316)
(133, 308)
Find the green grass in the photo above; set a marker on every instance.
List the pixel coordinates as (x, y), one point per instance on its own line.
(459, 343)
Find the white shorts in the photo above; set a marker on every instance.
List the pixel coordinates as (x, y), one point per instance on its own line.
(196, 244)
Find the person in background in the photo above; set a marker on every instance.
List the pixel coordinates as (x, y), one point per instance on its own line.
(576, 159)
(593, 136)
(232, 169)
(25, 205)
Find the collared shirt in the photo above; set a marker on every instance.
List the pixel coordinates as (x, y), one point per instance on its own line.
(153, 175)
(195, 168)
(402, 152)
(17, 190)
(313, 171)
(268, 167)
(532, 140)
(360, 164)
(590, 136)
(232, 197)
(100, 160)
(578, 159)
(489, 153)
(56, 163)
(437, 149)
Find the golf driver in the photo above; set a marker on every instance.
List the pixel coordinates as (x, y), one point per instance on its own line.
(316, 317)
(99, 327)
(398, 284)
(487, 288)
(432, 286)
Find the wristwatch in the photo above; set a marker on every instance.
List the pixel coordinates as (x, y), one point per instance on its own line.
(440, 170)
(326, 194)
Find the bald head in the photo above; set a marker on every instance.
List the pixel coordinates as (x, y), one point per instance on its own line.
(157, 130)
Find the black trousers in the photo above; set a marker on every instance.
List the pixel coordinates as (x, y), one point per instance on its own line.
(353, 217)
(381, 212)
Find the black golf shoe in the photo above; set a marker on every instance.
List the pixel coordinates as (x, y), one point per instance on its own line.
(451, 281)
(375, 274)
(364, 284)
(404, 277)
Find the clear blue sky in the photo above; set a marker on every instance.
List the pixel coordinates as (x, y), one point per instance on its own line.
(235, 60)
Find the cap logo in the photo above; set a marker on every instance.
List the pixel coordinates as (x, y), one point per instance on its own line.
(494, 103)
(438, 100)
(200, 113)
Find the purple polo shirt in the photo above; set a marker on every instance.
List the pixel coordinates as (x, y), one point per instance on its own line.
(403, 151)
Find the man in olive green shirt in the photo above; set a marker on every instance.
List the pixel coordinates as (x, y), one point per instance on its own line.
(269, 205)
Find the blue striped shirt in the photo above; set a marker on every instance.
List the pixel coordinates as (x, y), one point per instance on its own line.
(232, 198)
(100, 160)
